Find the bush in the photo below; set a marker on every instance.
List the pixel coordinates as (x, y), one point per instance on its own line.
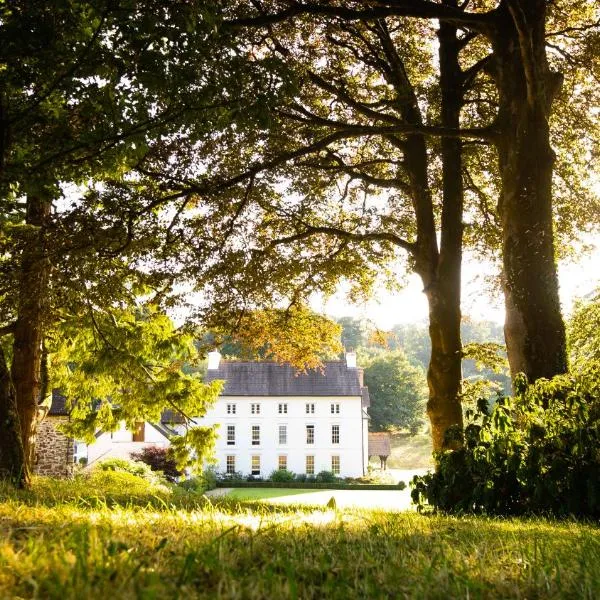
(237, 476)
(538, 452)
(159, 459)
(325, 477)
(282, 476)
(114, 482)
(127, 466)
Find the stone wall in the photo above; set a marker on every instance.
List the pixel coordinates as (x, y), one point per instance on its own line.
(54, 450)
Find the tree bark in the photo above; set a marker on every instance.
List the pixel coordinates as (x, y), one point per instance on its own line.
(534, 329)
(22, 393)
(438, 267)
(445, 368)
(11, 447)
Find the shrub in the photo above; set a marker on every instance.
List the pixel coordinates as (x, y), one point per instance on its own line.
(325, 477)
(282, 476)
(159, 459)
(127, 466)
(535, 453)
(114, 482)
(301, 477)
(237, 476)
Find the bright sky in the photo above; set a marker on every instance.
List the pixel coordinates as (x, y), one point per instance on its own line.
(478, 302)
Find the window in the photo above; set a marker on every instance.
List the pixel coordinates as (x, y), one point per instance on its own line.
(282, 462)
(138, 432)
(310, 408)
(231, 409)
(255, 409)
(231, 435)
(282, 408)
(230, 464)
(335, 465)
(283, 434)
(310, 434)
(310, 465)
(255, 470)
(256, 435)
(335, 409)
(335, 434)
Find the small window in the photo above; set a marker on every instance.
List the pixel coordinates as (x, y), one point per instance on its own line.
(310, 434)
(231, 435)
(335, 434)
(283, 434)
(335, 465)
(138, 432)
(282, 408)
(310, 465)
(310, 408)
(230, 464)
(255, 409)
(256, 435)
(335, 409)
(231, 409)
(282, 462)
(255, 465)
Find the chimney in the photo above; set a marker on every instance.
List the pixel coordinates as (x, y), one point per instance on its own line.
(351, 360)
(214, 358)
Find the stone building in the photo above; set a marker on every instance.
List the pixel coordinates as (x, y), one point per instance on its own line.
(54, 450)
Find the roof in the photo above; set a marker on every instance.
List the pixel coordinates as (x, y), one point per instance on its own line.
(379, 444)
(58, 408)
(254, 378)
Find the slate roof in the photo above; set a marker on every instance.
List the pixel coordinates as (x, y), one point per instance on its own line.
(58, 408)
(379, 444)
(255, 378)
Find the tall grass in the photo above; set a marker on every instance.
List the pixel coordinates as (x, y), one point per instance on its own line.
(63, 540)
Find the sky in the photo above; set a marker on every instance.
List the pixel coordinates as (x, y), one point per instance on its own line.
(576, 279)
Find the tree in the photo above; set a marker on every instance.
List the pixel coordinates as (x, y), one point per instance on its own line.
(398, 393)
(525, 88)
(94, 95)
(584, 333)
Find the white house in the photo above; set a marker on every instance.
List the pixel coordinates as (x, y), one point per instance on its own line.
(272, 417)
(269, 416)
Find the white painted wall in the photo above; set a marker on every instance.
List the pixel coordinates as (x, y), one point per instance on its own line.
(350, 420)
(120, 443)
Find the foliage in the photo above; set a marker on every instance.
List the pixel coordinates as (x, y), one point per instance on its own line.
(158, 459)
(117, 365)
(534, 453)
(325, 477)
(282, 475)
(122, 465)
(584, 333)
(296, 335)
(73, 546)
(398, 393)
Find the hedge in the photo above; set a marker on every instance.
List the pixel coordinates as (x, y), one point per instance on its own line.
(310, 486)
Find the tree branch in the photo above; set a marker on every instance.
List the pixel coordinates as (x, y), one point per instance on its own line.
(423, 9)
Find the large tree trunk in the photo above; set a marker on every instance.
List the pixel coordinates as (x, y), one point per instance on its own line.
(12, 459)
(534, 329)
(445, 368)
(22, 394)
(439, 269)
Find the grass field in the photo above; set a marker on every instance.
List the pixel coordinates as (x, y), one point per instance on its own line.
(70, 541)
(409, 452)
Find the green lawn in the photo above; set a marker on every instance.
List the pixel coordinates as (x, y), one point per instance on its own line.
(264, 493)
(71, 541)
(409, 452)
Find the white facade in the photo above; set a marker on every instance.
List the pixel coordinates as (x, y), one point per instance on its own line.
(305, 434)
(120, 444)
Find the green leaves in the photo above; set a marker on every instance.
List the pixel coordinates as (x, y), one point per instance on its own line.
(113, 365)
